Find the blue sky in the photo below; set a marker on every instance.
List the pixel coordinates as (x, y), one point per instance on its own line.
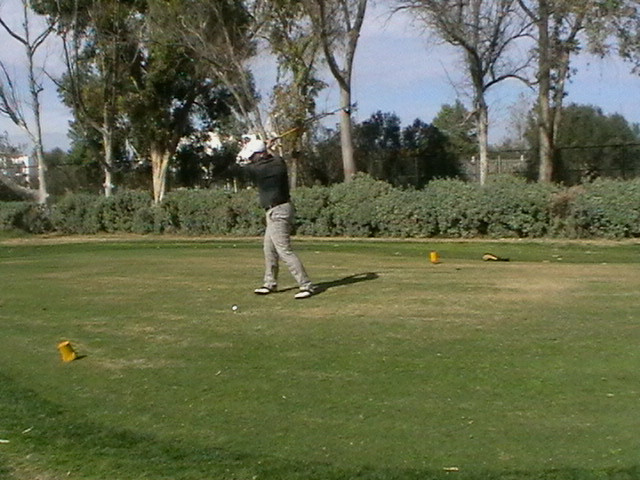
(397, 70)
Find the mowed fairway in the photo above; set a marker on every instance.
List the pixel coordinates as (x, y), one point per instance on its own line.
(398, 369)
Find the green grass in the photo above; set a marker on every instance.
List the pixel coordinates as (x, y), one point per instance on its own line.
(399, 369)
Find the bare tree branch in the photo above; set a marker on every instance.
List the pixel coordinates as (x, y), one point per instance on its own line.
(10, 103)
(10, 31)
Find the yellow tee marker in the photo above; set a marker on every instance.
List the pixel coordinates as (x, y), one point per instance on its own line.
(67, 352)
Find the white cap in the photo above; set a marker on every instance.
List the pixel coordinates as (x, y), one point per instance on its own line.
(254, 145)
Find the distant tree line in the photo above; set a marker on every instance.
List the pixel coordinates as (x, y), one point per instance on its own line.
(149, 81)
(591, 145)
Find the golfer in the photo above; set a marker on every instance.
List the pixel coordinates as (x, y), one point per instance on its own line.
(270, 175)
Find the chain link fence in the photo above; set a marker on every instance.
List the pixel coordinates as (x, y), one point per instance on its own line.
(572, 165)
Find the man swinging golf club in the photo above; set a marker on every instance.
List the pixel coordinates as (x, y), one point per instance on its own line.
(270, 175)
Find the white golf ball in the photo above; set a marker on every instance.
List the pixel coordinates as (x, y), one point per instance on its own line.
(234, 308)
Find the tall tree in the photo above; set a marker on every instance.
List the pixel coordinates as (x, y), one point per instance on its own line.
(168, 87)
(558, 24)
(100, 48)
(11, 104)
(485, 32)
(338, 24)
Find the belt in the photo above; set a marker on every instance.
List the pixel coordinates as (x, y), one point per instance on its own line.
(273, 205)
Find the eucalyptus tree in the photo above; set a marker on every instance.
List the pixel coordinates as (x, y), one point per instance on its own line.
(31, 38)
(100, 44)
(338, 24)
(169, 89)
(487, 33)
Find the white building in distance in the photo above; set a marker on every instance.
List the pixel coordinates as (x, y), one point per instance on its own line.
(21, 168)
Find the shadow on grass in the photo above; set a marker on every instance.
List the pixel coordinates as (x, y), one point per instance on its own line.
(67, 444)
(351, 279)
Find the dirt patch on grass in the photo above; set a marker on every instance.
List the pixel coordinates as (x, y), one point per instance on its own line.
(531, 282)
(118, 364)
(492, 291)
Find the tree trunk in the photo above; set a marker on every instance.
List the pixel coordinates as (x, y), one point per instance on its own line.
(352, 23)
(107, 143)
(346, 136)
(546, 140)
(159, 166)
(42, 178)
(108, 181)
(35, 90)
(545, 117)
(294, 164)
(293, 171)
(483, 140)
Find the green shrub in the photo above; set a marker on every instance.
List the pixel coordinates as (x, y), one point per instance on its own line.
(312, 213)
(77, 213)
(457, 208)
(504, 207)
(406, 213)
(26, 216)
(511, 207)
(353, 206)
(150, 219)
(561, 208)
(171, 210)
(37, 220)
(607, 208)
(11, 214)
(200, 212)
(247, 215)
(118, 210)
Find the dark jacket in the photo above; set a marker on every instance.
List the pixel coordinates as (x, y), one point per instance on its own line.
(272, 179)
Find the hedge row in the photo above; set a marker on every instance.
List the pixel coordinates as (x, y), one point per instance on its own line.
(506, 207)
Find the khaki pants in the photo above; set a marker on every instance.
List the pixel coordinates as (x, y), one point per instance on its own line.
(277, 245)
